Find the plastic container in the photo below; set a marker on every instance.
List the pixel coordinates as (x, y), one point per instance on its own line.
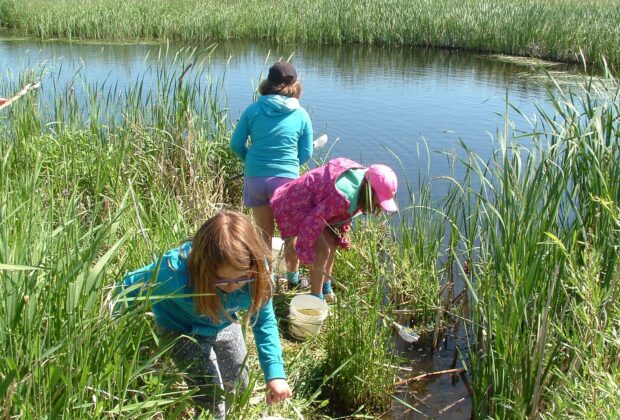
(306, 316)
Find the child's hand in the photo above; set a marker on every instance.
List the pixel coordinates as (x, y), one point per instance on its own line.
(277, 391)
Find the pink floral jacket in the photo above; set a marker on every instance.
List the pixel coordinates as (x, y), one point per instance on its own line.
(307, 205)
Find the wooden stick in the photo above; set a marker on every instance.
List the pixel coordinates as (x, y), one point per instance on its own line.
(443, 410)
(429, 375)
(28, 87)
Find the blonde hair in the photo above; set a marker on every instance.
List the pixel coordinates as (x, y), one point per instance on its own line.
(228, 239)
(293, 90)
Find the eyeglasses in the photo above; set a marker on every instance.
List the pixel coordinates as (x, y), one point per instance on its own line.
(240, 281)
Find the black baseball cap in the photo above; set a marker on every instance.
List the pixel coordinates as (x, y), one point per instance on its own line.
(282, 72)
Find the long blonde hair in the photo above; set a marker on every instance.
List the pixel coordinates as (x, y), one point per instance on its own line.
(228, 239)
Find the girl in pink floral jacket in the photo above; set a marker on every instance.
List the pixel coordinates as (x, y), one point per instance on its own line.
(317, 209)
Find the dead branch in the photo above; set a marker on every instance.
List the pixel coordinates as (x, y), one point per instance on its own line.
(429, 375)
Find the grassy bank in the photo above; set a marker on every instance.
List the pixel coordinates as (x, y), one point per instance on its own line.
(552, 29)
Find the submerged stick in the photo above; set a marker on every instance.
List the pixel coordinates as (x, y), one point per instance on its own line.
(429, 375)
(6, 102)
(449, 406)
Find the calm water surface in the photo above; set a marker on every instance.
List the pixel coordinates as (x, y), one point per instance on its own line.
(383, 105)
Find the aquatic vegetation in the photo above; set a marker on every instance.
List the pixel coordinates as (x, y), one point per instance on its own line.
(556, 30)
(532, 232)
(537, 247)
(358, 343)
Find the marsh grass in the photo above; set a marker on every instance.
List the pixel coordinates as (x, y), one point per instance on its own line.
(555, 30)
(85, 198)
(533, 233)
(419, 268)
(99, 180)
(358, 343)
(540, 236)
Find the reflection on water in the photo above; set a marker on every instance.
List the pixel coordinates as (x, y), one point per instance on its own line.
(382, 104)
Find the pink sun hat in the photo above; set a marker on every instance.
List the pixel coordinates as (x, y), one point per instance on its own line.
(384, 183)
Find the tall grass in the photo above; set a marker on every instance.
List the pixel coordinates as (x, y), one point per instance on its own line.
(93, 187)
(553, 29)
(358, 343)
(83, 200)
(540, 235)
(419, 265)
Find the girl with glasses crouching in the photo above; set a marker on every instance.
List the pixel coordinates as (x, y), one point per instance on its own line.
(225, 267)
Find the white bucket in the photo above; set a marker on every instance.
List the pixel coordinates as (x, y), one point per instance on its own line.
(303, 323)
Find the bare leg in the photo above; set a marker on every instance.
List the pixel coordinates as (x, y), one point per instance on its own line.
(290, 256)
(324, 251)
(264, 220)
(330, 297)
(330, 263)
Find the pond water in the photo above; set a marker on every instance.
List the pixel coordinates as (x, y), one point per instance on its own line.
(382, 105)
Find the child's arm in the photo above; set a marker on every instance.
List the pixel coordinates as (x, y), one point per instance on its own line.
(267, 337)
(304, 145)
(132, 287)
(137, 285)
(240, 137)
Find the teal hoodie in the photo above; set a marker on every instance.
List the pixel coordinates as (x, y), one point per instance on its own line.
(179, 313)
(281, 137)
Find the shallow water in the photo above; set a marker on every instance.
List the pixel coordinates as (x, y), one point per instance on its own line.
(445, 396)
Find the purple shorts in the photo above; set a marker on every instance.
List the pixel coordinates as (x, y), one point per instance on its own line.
(257, 190)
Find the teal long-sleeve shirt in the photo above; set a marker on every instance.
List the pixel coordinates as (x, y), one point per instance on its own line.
(280, 135)
(179, 313)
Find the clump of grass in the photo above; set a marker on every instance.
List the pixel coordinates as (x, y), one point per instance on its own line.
(418, 262)
(556, 30)
(358, 343)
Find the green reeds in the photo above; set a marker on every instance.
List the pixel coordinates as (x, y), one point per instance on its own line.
(85, 197)
(358, 343)
(540, 236)
(418, 269)
(557, 30)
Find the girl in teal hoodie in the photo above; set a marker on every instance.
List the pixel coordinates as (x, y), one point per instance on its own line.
(196, 290)
(280, 134)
